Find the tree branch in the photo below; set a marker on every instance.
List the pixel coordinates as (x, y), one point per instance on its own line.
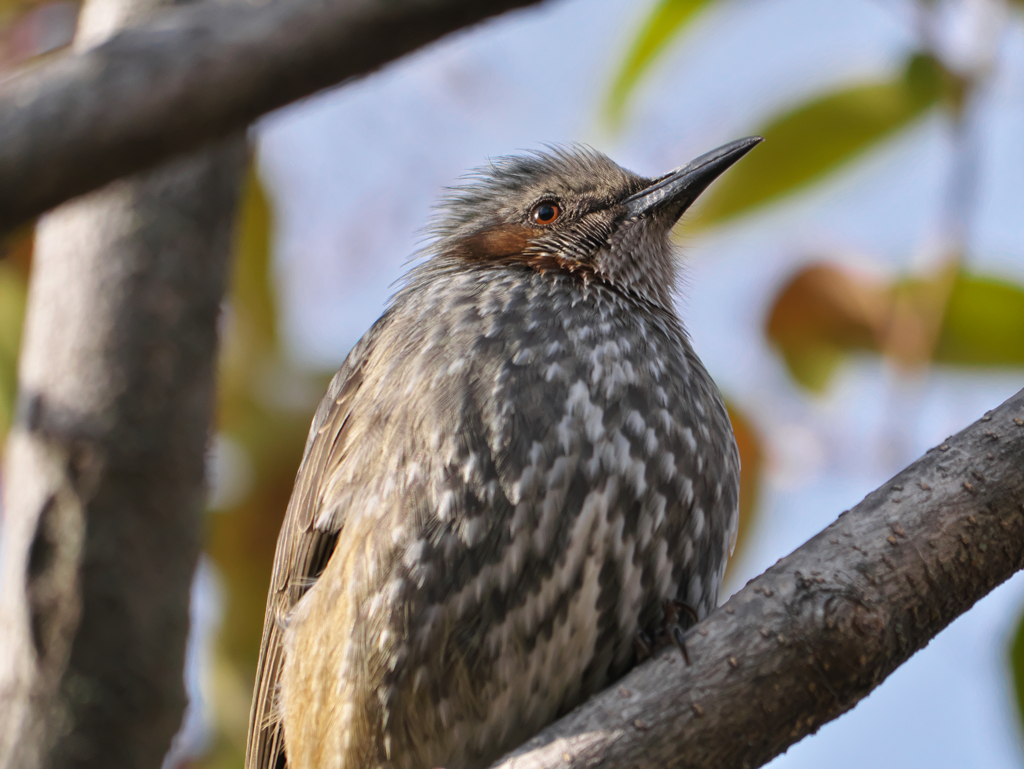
(805, 641)
(189, 75)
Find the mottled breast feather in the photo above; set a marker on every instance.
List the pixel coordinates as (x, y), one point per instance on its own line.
(565, 465)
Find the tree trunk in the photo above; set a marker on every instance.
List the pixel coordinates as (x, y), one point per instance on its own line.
(103, 474)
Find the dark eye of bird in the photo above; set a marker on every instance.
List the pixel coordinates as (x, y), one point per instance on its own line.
(546, 212)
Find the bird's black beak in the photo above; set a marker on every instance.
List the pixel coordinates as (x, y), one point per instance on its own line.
(674, 193)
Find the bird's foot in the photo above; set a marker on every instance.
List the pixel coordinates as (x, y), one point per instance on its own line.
(672, 630)
(644, 646)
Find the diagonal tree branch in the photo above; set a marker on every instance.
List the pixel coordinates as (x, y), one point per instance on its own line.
(189, 75)
(808, 639)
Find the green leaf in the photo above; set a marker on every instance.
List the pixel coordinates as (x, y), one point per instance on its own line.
(818, 137)
(12, 312)
(983, 324)
(1017, 665)
(252, 292)
(948, 316)
(668, 19)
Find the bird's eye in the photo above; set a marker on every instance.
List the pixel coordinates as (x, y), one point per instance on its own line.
(546, 212)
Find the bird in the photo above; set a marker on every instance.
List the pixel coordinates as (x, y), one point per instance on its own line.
(515, 469)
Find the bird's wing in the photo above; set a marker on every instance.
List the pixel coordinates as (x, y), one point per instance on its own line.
(304, 546)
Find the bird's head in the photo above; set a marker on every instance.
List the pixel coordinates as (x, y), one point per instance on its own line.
(576, 211)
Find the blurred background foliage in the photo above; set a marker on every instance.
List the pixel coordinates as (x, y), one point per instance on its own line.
(825, 314)
(29, 29)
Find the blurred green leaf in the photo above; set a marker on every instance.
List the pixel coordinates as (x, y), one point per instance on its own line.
(241, 540)
(819, 136)
(8, 10)
(667, 20)
(948, 316)
(15, 262)
(264, 408)
(1017, 665)
(12, 313)
(984, 323)
(251, 290)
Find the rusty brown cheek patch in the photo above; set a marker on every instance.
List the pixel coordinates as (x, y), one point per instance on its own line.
(509, 244)
(502, 242)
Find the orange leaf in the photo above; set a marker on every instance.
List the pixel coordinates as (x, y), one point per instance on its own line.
(820, 315)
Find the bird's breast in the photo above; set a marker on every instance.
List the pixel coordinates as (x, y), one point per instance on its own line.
(556, 463)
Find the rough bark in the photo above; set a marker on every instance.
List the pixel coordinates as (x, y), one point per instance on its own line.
(103, 473)
(189, 75)
(808, 639)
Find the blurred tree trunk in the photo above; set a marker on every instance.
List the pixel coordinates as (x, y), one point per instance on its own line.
(103, 475)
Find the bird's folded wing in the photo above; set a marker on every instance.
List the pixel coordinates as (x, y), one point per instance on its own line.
(304, 547)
